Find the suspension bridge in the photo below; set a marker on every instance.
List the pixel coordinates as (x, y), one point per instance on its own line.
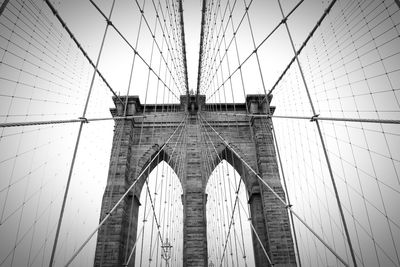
(215, 133)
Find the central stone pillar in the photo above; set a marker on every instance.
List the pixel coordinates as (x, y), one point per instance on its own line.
(194, 200)
(129, 157)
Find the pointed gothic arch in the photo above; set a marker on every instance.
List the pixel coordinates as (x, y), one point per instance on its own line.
(225, 153)
(248, 141)
(221, 202)
(150, 159)
(161, 204)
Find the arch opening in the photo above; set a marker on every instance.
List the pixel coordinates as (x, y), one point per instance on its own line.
(228, 226)
(149, 161)
(160, 217)
(226, 154)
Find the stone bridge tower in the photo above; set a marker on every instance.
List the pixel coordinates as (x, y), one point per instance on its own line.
(249, 137)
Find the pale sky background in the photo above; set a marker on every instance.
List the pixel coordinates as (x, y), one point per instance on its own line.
(351, 65)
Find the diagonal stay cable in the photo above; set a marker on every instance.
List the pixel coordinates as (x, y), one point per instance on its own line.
(311, 118)
(296, 57)
(252, 226)
(85, 54)
(235, 188)
(177, 37)
(165, 33)
(109, 22)
(155, 41)
(77, 142)
(297, 53)
(222, 177)
(258, 46)
(281, 200)
(230, 225)
(218, 43)
(203, 23)
(253, 229)
(137, 239)
(133, 64)
(218, 34)
(183, 43)
(236, 201)
(178, 140)
(109, 213)
(278, 154)
(289, 208)
(208, 56)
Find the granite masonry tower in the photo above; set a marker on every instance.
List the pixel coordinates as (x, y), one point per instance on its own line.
(249, 138)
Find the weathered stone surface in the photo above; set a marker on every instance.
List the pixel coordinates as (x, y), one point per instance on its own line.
(137, 142)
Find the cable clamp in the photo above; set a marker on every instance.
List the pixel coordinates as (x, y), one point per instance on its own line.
(314, 118)
(289, 206)
(83, 119)
(109, 22)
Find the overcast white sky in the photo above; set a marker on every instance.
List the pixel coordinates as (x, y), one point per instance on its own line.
(351, 66)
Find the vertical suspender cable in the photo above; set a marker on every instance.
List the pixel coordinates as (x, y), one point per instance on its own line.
(122, 131)
(237, 198)
(183, 47)
(240, 216)
(287, 193)
(109, 213)
(226, 176)
(77, 139)
(274, 192)
(144, 220)
(203, 22)
(320, 132)
(133, 63)
(158, 162)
